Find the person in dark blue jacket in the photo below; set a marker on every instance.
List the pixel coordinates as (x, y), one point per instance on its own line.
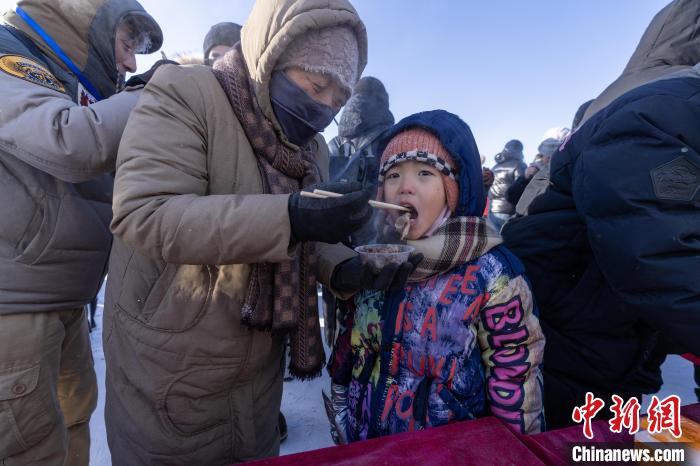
(612, 247)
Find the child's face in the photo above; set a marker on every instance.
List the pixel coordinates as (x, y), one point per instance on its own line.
(418, 186)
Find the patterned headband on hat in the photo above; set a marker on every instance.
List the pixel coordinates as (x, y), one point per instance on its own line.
(433, 160)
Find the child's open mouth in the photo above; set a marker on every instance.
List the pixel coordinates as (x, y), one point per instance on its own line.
(413, 213)
(405, 221)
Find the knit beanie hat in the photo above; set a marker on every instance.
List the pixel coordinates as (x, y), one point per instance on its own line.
(421, 145)
(513, 146)
(221, 34)
(333, 51)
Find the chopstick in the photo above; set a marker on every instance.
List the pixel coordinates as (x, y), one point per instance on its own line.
(327, 193)
(312, 195)
(386, 205)
(373, 203)
(321, 194)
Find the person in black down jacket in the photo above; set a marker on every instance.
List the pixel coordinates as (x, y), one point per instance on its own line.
(354, 156)
(509, 166)
(355, 152)
(365, 118)
(612, 247)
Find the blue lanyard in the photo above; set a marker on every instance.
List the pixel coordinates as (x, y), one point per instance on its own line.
(60, 53)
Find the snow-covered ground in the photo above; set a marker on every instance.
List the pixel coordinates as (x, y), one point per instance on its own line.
(303, 407)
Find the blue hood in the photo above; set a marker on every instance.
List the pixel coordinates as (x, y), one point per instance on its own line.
(457, 138)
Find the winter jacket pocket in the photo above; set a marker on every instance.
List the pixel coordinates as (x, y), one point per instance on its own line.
(157, 291)
(39, 231)
(69, 226)
(198, 400)
(20, 213)
(27, 413)
(462, 408)
(182, 298)
(81, 225)
(162, 296)
(134, 279)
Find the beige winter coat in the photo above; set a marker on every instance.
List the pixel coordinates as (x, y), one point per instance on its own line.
(187, 383)
(56, 155)
(670, 44)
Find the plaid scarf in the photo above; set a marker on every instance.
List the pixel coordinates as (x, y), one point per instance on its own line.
(280, 297)
(458, 240)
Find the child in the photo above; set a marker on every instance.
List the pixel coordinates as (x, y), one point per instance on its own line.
(462, 339)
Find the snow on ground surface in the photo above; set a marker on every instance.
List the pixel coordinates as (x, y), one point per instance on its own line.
(303, 407)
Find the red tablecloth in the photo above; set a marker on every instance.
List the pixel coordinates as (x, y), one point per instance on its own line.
(553, 447)
(691, 412)
(482, 442)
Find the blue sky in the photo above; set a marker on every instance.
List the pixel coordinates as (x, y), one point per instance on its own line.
(509, 68)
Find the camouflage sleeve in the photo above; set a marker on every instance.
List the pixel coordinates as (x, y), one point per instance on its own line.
(512, 345)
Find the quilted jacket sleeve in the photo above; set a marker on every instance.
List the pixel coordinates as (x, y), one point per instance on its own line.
(512, 345)
(46, 129)
(162, 207)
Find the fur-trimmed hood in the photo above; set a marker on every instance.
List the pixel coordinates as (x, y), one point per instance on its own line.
(85, 30)
(671, 43)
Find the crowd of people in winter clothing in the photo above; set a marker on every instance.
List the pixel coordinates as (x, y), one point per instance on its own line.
(525, 286)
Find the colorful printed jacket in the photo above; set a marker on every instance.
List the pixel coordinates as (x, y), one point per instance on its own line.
(458, 346)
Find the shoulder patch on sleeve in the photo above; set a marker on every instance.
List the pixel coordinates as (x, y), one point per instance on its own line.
(30, 70)
(678, 180)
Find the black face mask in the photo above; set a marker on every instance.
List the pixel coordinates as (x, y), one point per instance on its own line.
(300, 116)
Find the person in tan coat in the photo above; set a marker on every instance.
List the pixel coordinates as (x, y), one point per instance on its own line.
(61, 120)
(670, 44)
(216, 255)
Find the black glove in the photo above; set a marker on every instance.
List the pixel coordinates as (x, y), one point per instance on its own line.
(330, 220)
(143, 78)
(352, 275)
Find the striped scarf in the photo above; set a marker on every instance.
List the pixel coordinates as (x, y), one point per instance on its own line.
(458, 240)
(280, 297)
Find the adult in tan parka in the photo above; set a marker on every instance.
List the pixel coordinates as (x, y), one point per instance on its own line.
(59, 132)
(670, 45)
(214, 246)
